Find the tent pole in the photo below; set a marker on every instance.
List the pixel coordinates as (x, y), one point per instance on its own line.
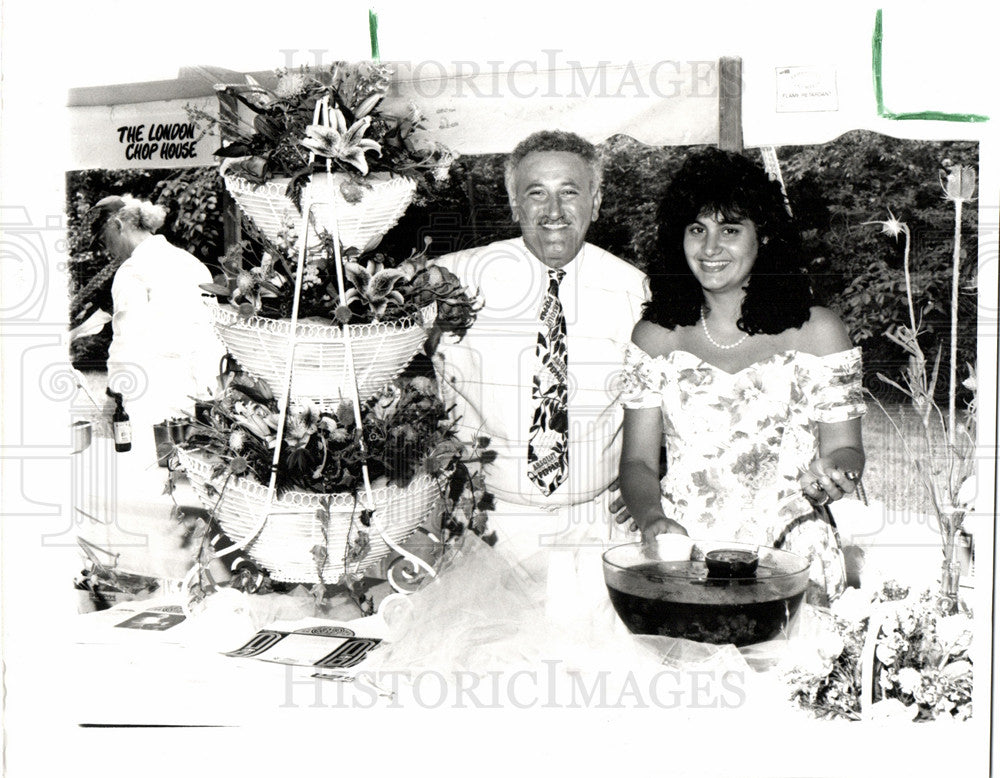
(731, 104)
(232, 229)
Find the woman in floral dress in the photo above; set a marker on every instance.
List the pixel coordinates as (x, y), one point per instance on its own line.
(756, 390)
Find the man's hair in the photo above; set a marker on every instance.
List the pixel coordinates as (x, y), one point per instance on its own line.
(778, 293)
(130, 211)
(555, 140)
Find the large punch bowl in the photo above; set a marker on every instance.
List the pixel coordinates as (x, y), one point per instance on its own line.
(666, 588)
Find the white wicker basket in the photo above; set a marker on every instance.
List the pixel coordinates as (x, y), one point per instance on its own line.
(319, 368)
(361, 224)
(284, 545)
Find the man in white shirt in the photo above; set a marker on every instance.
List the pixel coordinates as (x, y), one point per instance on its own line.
(553, 183)
(164, 349)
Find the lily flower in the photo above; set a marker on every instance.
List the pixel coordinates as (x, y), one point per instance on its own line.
(416, 262)
(342, 143)
(374, 285)
(256, 419)
(256, 283)
(301, 423)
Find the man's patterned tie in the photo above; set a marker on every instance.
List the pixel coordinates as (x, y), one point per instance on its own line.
(548, 435)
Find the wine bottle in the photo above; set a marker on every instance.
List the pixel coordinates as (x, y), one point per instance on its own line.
(120, 424)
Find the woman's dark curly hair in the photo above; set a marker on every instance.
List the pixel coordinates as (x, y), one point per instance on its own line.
(778, 294)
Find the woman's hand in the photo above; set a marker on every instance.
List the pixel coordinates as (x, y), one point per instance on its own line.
(824, 482)
(616, 504)
(652, 525)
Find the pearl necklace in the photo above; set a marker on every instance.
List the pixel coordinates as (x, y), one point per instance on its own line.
(713, 341)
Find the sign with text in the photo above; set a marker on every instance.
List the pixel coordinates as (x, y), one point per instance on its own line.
(175, 140)
(141, 135)
(806, 88)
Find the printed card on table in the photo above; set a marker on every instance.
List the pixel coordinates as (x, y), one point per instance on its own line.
(327, 647)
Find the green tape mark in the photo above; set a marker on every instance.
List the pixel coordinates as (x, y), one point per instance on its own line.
(373, 33)
(938, 116)
(877, 62)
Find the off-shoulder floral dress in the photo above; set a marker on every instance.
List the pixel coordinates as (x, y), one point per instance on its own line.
(737, 442)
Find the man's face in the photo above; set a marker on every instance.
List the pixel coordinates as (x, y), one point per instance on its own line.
(111, 237)
(554, 200)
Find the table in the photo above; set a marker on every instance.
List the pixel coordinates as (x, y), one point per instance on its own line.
(567, 705)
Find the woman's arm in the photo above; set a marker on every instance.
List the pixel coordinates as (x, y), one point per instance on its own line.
(841, 451)
(639, 473)
(642, 441)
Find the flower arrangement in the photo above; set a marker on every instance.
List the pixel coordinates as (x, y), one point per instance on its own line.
(377, 288)
(310, 259)
(947, 470)
(920, 667)
(313, 121)
(406, 430)
(363, 137)
(824, 676)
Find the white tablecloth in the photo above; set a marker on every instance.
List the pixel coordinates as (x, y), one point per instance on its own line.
(560, 704)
